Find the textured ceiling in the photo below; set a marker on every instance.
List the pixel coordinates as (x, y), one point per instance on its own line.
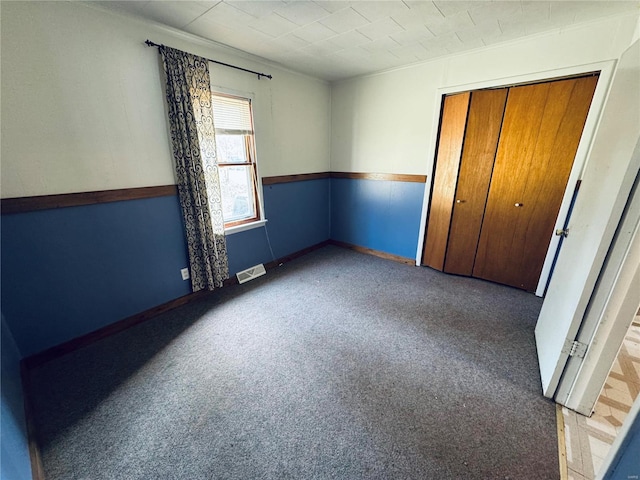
(339, 39)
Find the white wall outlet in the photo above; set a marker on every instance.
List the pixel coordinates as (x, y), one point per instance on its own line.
(185, 273)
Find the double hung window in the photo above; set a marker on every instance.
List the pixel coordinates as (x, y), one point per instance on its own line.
(236, 154)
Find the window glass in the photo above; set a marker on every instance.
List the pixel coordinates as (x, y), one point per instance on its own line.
(238, 202)
(231, 148)
(235, 150)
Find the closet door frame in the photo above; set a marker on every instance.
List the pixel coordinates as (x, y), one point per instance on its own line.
(605, 70)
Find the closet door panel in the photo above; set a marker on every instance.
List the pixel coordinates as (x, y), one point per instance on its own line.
(478, 154)
(540, 134)
(452, 127)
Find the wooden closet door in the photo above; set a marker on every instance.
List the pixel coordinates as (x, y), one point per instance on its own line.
(452, 126)
(541, 130)
(478, 154)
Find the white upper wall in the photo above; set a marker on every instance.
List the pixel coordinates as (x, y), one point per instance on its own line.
(385, 122)
(83, 107)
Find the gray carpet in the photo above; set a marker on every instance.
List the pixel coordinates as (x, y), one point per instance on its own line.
(336, 365)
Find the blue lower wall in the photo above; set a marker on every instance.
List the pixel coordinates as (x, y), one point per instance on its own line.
(246, 249)
(298, 214)
(14, 455)
(298, 217)
(69, 271)
(377, 214)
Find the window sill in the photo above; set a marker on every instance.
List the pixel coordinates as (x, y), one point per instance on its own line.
(244, 227)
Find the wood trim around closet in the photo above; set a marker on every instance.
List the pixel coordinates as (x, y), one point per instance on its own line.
(45, 202)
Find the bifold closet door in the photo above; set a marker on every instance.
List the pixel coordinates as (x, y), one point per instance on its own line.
(541, 130)
(451, 136)
(468, 139)
(478, 154)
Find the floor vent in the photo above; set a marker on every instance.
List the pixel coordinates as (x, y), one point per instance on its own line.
(251, 273)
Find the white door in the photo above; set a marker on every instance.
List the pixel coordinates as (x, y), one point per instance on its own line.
(607, 180)
(611, 310)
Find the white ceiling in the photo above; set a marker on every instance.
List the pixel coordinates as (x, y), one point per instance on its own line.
(334, 39)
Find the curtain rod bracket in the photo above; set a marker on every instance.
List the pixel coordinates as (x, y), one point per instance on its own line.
(149, 43)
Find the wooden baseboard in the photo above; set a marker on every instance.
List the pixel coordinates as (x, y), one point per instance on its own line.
(74, 344)
(67, 347)
(37, 470)
(233, 280)
(293, 256)
(104, 332)
(376, 253)
(49, 354)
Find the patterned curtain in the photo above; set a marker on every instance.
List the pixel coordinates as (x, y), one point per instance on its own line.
(193, 138)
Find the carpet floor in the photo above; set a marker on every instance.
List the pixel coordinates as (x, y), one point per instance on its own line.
(336, 365)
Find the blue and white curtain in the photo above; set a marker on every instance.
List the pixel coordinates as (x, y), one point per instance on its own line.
(193, 138)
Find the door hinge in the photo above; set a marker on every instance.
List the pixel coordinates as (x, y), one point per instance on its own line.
(575, 348)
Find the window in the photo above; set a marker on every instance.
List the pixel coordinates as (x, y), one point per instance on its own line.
(236, 153)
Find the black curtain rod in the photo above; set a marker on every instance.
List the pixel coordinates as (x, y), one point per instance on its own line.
(153, 44)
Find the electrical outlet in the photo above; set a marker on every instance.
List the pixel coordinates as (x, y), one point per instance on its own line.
(185, 273)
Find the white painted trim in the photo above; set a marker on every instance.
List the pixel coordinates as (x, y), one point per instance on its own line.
(606, 70)
(230, 91)
(532, 77)
(430, 171)
(423, 220)
(611, 310)
(607, 183)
